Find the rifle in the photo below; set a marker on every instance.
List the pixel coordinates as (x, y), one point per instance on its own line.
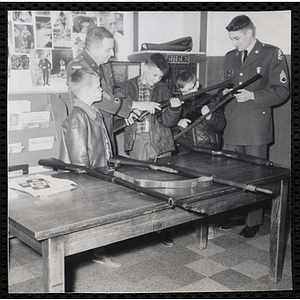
(223, 100)
(232, 154)
(121, 123)
(107, 175)
(121, 160)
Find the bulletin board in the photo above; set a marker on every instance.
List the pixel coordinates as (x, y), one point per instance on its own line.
(42, 43)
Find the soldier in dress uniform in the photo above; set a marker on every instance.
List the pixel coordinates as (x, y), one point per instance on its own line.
(99, 47)
(249, 117)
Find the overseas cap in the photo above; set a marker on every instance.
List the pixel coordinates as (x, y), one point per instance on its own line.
(240, 22)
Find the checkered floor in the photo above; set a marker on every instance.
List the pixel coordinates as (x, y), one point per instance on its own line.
(229, 263)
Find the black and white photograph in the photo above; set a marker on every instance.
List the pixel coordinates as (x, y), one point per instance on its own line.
(82, 22)
(24, 38)
(164, 139)
(43, 32)
(61, 30)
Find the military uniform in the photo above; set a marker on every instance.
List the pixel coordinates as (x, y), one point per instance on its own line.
(111, 104)
(250, 123)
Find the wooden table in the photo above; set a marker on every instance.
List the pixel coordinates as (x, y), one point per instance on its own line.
(99, 213)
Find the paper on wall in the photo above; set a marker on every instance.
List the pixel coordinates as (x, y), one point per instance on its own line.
(41, 143)
(15, 113)
(36, 119)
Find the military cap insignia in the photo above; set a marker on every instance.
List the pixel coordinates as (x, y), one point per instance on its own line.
(282, 77)
(280, 54)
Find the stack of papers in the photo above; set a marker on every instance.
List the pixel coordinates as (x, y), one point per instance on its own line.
(41, 185)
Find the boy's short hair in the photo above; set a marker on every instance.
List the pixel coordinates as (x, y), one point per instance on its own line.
(185, 77)
(81, 78)
(241, 22)
(158, 60)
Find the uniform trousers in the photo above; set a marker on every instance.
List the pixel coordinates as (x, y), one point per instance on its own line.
(253, 215)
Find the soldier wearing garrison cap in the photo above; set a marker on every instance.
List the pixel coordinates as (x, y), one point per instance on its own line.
(249, 117)
(99, 47)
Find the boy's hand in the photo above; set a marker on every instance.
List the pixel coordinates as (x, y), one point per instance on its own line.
(148, 106)
(184, 123)
(204, 111)
(175, 102)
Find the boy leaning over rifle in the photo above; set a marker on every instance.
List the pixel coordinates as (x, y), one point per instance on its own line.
(207, 133)
(85, 140)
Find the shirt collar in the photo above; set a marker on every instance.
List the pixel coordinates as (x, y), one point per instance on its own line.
(91, 111)
(250, 47)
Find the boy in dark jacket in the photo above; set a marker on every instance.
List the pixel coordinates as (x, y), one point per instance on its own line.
(85, 140)
(207, 133)
(152, 137)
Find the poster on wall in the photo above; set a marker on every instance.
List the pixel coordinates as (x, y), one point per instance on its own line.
(23, 38)
(43, 32)
(114, 22)
(61, 29)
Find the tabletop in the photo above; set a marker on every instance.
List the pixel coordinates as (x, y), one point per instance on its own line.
(95, 202)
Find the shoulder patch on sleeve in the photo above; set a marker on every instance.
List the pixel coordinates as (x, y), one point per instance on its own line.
(282, 77)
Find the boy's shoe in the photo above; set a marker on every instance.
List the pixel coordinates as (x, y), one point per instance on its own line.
(211, 232)
(229, 224)
(249, 232)
(165, 239)
(102, 257)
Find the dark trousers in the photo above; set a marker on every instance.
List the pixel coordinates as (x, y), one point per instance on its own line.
(46, 76)
(254, 215)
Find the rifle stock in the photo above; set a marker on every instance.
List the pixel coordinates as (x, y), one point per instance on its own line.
(121, 123)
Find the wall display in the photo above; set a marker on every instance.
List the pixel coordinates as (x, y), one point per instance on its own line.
(42, 43)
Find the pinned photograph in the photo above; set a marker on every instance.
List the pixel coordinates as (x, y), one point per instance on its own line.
(22, 16)
(43, 32)
(81, 23)
(19, 62)
(24, 38)
(61, 30)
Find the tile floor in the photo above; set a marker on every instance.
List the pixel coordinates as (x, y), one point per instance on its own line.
(230, 263)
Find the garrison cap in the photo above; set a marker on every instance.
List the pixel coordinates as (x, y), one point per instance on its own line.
(239, 22)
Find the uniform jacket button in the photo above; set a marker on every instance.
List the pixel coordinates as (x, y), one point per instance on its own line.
(241, 74)
(240, 83)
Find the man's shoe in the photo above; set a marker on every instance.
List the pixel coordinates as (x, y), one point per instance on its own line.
(102, 257)
(249, 232)
(165, 239)
(228, 224)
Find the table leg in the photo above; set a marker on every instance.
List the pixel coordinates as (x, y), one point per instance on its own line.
(277, 232)
(53, 265)
(201, 233)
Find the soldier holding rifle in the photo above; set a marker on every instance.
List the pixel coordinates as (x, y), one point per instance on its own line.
(249, 127)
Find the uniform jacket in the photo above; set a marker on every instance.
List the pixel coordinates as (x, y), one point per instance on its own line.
(160, 123)
(208, 132)
(83, 139)
(250, 123)
(112, 103)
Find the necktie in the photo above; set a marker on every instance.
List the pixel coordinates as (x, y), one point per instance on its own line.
(245, 55)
